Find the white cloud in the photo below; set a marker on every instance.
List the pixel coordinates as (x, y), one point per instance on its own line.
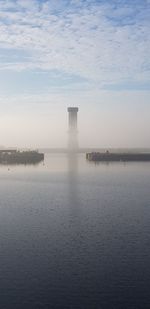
(84, 42)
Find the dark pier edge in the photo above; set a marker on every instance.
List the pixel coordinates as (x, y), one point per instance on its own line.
(117, 157)
(9, 156)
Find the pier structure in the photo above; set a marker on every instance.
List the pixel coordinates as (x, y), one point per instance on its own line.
(73, 132)
(117, 156)
(14, 156)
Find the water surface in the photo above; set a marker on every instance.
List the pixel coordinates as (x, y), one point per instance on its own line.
(75, 235)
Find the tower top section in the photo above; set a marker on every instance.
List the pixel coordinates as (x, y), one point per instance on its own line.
(73, 109)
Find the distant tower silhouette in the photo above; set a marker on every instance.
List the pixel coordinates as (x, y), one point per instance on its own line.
(73, 139)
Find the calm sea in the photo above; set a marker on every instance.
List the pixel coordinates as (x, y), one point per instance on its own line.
(75, 235)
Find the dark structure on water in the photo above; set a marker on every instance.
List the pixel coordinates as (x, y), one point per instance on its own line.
(9, 156)
(108, 156)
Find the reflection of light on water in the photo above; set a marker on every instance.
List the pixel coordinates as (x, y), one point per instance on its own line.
(73, 180)
(72, 157)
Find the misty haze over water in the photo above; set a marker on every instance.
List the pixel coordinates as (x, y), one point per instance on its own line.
(74, 78)
(75, 234)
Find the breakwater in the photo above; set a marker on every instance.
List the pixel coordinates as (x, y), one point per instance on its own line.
(108, 156)
(10, 156)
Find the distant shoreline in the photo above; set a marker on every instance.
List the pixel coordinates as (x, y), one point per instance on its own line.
(85, 150)
(82, 149)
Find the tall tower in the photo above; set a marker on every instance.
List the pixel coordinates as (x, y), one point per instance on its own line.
(73, 139)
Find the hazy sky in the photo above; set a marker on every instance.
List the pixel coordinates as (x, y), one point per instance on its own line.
(85, 53)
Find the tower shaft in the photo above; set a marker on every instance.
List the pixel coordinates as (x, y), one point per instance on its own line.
(73, 139)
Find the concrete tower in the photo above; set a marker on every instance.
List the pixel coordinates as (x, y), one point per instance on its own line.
(73, 139)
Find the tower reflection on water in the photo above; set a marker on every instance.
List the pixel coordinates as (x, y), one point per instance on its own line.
(73, 158)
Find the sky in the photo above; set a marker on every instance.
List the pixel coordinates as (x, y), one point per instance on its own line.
(86, 53)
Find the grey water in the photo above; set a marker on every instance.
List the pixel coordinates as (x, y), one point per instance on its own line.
(75, 235)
